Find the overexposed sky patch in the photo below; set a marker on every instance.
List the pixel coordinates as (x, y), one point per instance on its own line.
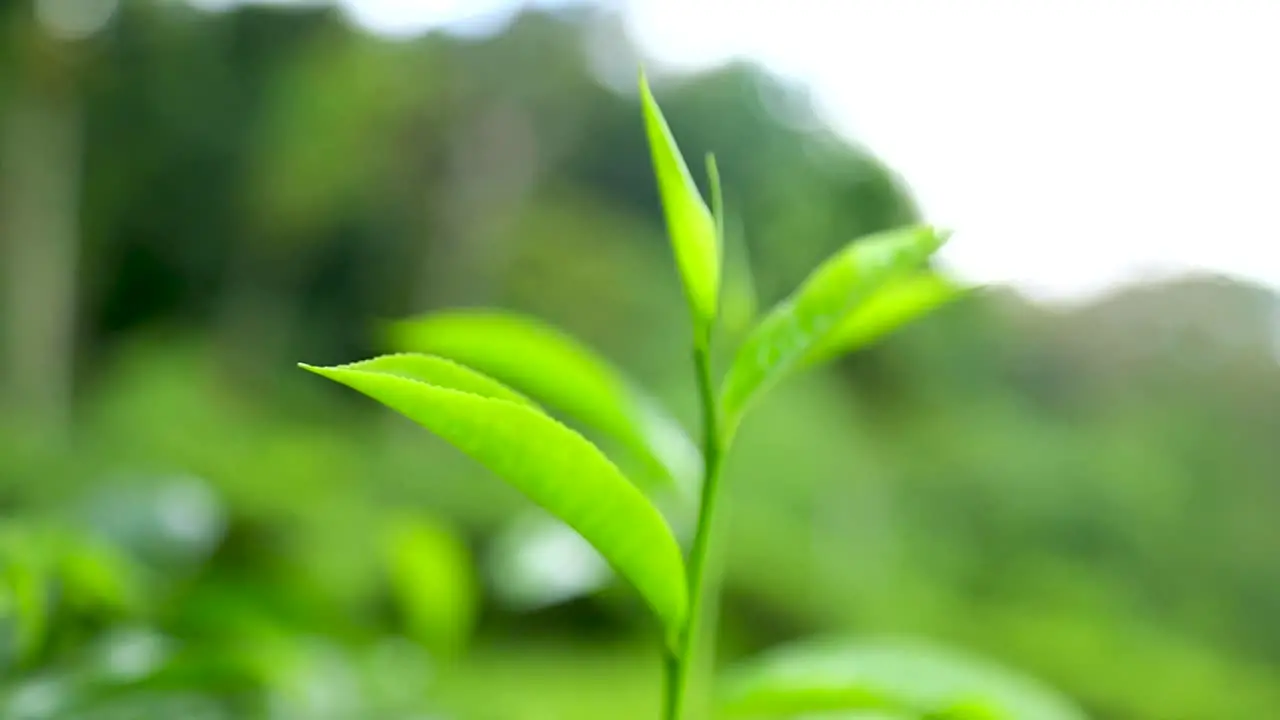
(1071, 144)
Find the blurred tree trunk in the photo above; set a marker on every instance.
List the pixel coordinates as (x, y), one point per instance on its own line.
(40, 177)
(493, 162)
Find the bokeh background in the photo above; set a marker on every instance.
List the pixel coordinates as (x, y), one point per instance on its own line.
(195, 196)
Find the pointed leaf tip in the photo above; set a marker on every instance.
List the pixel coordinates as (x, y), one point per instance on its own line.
(690, 224)
(551, 464)
(562, 373)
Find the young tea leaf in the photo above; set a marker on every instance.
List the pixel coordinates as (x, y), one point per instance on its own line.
(690, 224)
(562, 373)
(907, 677)
(740, 303)
(441, 372)
(802, 322)
(555, 467)
(896, 304)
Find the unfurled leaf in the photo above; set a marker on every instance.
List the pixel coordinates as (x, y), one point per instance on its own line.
(442, 373)
(690, 224)
(434, 582)
(560, 372)
(908, 677)
(897, 303)
(805, 320)
(555, 467)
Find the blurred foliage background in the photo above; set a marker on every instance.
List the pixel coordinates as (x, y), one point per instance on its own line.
(192, 201)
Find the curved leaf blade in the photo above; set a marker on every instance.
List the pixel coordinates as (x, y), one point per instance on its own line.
(690, 224)
(781, 341)
(908, 677)
(896, 304)
(561, 372)
(556, 468)
(439, 371)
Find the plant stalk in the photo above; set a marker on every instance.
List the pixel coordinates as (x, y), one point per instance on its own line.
(712, 454)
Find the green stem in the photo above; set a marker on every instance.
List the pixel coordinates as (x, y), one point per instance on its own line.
(671, 681)
(712, 453)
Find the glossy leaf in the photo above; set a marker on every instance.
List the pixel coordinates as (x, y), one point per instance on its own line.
(908, 677)
(690, 224)
(555, 467)
(441, 372)
(562, 373)
(896, 304)
(795, 327)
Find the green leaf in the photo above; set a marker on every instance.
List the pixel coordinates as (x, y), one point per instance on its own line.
(433, 581)
(94, 575)
(781, 341)
(908, 677)
(740, 303)
(555, 467)
(443, 373)
(896, 304)
(562, 373)
(24, 591)
(690, 224)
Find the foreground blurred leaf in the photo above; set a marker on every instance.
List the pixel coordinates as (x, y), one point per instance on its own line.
(793, 328)
(907, 677)
(894, 305)
(434, 582)
(690, 224)
(560, 371)
(555, 467)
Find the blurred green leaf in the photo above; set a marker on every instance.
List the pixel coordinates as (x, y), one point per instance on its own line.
(555, 467)
(740, 302)
(96, 575)
(24, 591)
(896, 304)
(908, 677)
(560, 371)
(781, 341)
(434, 582)
(690, 224)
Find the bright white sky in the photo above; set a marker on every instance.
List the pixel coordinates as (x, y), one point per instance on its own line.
(1071, 144)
